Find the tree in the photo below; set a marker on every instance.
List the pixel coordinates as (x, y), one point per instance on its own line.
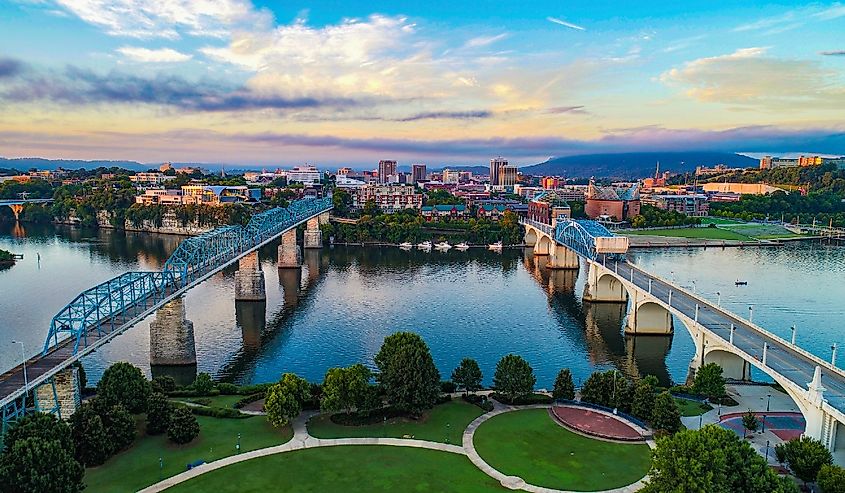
(665, 415)
(643, 405)
(711, 459)
(345, 388)
(341, 202)
(92, 444)
(407, 372)
(467, 375)
(182, 426)
(203, 384)
(609, 389)
(163, 384)
(158, 413)
(831, 479)
(119, 424)
(564, 387)
(514, 377)
(33, 464)
(123, 383)
(805, 457)
(749, 423)
(371, 208)
(709, 382)
(285, 398)
(42, 427)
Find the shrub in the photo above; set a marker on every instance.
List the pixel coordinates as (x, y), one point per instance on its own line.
(163, 384)
(249, 400)
(120, 426)
(183, 426)
(831, 479)
(92, 445)
(217, 412)
(523, 400)
(448, 387)
(226, 388)
(158, 413)
(203, 384)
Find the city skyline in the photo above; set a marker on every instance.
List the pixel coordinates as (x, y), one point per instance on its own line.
(257, 84)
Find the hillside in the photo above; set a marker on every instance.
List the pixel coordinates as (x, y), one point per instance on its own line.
(635, 164)
(25, 163)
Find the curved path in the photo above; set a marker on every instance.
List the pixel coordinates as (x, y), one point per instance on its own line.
(303, 440)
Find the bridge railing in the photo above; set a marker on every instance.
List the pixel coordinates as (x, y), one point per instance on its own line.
(104, 308)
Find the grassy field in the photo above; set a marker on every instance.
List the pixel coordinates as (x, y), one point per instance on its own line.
(350, 469)
(696, 233)
(761, 231)
(530, 445)
(691, 408)
(445, 423)
(138, 467)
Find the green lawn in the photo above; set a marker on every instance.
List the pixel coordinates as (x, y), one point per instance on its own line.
(445, 423)
(720, 220)
(138, 467)
(696, 233)
(692, 408)
(529, 444)
(348, 469)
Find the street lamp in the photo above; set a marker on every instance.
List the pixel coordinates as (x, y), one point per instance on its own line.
(693, 286)
(767, 451)
(238, 447)
(768, 401)
(673, 276)
(718, 299)
(23, 359)
(833, 354)
(793, 334)
(750, 313)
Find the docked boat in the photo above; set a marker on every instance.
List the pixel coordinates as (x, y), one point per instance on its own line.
(426, 245)
(495, 246)
(462, 246)
(443, 245)
(406, 245)
(741, 283)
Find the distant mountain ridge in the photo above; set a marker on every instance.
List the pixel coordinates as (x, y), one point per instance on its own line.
(635, 164)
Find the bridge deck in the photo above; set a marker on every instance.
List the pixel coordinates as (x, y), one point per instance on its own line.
(781, 356)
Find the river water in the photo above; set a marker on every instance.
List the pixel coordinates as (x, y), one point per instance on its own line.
(478, 303)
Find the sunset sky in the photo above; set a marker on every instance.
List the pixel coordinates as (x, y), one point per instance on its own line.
(441, 82)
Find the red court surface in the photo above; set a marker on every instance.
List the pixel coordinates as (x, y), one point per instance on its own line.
(785, 425)
(595, 423)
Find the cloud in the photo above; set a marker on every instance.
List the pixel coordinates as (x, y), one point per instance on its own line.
(565, 23)
(480, 41)
(833, 53)
(145, 55)
(81, 86)
(452, 115)
(793, 19)
(165, 19)
(749, 77)
(579, 110)
(10, 67)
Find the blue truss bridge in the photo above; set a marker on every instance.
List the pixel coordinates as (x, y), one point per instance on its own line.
(102, 312)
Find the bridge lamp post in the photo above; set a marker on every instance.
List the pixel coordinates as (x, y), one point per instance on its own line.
(793, 334)
(718, 299)
(768, 401)
(23, 359)
(751, 313)
(833, 354)
(693, 286)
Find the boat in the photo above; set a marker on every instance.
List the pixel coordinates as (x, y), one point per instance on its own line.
(495, 246)
(406, 245)
(426, 245)
(462, 246)
(443, 245)
(741, 283)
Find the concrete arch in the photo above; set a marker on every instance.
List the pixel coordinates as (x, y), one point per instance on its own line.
(543, 246)
(607, 287)
(530, 236)
(649, 318)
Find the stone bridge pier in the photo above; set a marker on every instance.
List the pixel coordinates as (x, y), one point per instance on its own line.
(249, 279)
(313, 236)
(172, 336)
(252, 319)
(63, 394)
(290, 256)
(561, 257)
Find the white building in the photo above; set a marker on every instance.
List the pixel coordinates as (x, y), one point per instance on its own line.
(307, 175)
(154, 179)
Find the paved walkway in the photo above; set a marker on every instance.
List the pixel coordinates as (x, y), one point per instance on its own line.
(303, 440)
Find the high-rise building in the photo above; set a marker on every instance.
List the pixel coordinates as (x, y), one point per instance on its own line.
(496, 166)
(386, 168)
(451, 176)
(418, 173)
(507, 176)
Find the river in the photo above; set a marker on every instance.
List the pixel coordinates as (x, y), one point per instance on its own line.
(476, 304)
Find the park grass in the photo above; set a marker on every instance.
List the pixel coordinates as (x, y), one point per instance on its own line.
(529, 444)
(444, 423)
(720, 220)
(691, 408)
(138, 466)
(693, 233)
(350, 469)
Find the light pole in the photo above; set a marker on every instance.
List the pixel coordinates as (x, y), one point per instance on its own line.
(23, 360)
(768, 401)
(238, 447)
(673, 276)
(751, 313)
(693, 286)
(767, 451)
(793, 334)
(718, 299)
(833, 354)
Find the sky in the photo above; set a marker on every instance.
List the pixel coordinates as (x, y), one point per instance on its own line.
(440, 82)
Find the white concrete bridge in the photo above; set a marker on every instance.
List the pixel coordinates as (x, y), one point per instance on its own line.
(721, 337)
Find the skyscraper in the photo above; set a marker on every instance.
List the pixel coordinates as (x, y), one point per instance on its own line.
(507, 176)
(418, 172)
(496, 166)
(385, 169)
